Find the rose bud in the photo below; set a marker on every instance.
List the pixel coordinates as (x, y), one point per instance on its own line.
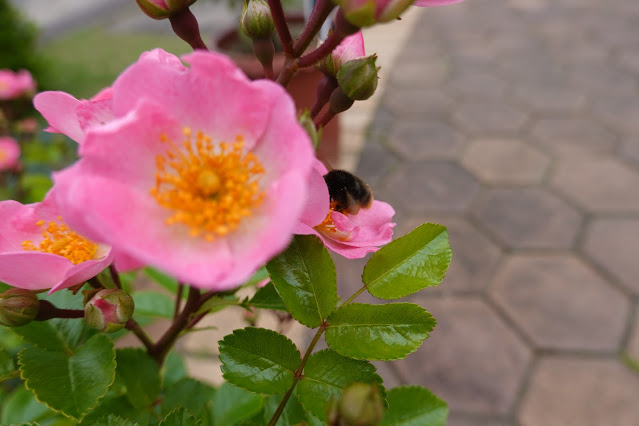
(109, 310)
(358, 78)
(18, 307)
(256, 22)
(162, 9)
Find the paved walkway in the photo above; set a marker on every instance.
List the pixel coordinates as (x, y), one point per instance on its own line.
(516, 124)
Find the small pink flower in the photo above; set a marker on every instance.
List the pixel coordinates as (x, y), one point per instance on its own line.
(352, 47)
(9, 153)
(201, 173)
(39, 251)
(72, 117)
(15, 84)
(352, 236)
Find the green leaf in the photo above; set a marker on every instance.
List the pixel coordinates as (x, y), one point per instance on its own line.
(180, 417)
(410, 263)
(7, 366)
(55, 334)
(191, 394)
(140, 374)
(161, 278)
(113, 420)
(304, 275)
(293, 413)
(70, 383)
(217, 303)
(267, 298)
(414, 406)
(22, 406)
(117, 404)
(326, 374)
(259, 360)
(153, 304)
(232, 405)
(173, 369)
(378, 332)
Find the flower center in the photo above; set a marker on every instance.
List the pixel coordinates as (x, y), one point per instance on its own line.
(210, 188)
(328, 228)
(61, 240)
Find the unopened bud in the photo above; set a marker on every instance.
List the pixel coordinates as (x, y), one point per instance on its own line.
(361, 405)
(257, 21)
(162, 9)
(109, 310)
(18, 307)
(367, 13)
(358, 78)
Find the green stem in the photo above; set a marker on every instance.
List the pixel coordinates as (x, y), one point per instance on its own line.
(298, 373)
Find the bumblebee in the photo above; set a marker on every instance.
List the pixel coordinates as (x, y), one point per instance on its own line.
(348, 192)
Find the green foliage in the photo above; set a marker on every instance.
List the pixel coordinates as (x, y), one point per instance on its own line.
(71, 383)
(414, 406)
(22, 406)
(378, 332)
(180, 417)
(304, 275)
(113, 420)
(259, 360)
(234, 405)
(152, 304)
(410, 263)
(7, 366)
(267, 298)
(191, 394)
(140, 374)
(293, 413)
(326, 375)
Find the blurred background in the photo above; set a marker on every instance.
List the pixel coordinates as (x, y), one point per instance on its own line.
(515, 123)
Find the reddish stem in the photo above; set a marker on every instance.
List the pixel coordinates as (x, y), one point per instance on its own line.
(320, 12)
(281, 26)
(48, 311)
(185, 26)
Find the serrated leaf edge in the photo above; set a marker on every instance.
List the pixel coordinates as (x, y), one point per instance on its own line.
(26, 384)
(389, 247)
(188, 414)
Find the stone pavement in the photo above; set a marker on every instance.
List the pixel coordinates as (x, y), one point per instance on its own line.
(516, 124)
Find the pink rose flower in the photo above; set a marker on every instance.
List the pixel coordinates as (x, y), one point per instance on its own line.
(39, 251)
(72, 117)
(201, 173)
(352, 47)
(9, 153)
(352, 236)
(363, 13)
(15, 84)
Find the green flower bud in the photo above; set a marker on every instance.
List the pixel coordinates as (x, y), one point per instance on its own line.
(358, 78)
(257, 21)
(361, 405)
(109, 310)
(162, 9)
(18, 307)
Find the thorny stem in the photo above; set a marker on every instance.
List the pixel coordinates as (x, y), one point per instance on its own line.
(140, 333)
(298, 373)
(281, 27)
(320, 12)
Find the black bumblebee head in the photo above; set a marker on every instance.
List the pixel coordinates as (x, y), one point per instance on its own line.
(348, 192)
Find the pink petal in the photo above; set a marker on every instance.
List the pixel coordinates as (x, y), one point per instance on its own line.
(59, 109)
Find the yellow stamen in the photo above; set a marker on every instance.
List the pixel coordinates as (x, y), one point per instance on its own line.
(59, 239)
(328, 227)
(210, 188)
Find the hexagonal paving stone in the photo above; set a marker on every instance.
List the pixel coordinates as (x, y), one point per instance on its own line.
(474, 255)
(570, 135)
(629, 150)
(473, 86)
(552, 297)
(416, 103)
(614, 244)
(583, 392)
(375, 162)
(550, 99)
(528, 218)
(432, 187)
(598, 183)
(621, 112)
(602, 79)
(417, 74)
(505, 161)
(485, 117)
(472, 360)
(422, 140)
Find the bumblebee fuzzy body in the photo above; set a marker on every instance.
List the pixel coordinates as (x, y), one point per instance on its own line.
(348, 192)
